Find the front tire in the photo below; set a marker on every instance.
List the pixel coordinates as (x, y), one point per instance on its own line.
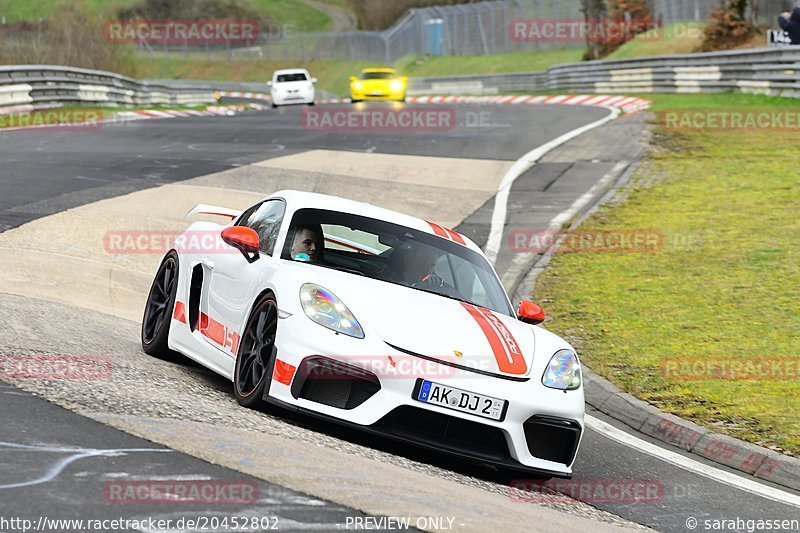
(251, 371)
(158, 310)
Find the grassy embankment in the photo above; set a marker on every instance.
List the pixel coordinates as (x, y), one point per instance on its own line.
(725, 288)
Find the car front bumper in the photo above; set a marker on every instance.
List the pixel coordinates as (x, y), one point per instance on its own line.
(389, 96)
(540, 432)
(296, 98)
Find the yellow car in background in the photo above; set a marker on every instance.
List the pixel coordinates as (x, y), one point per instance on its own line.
(378, 84)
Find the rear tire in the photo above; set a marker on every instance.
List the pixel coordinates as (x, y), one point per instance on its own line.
(253, 359)
(159, 308)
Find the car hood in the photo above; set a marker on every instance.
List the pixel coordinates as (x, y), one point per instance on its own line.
(434, 327)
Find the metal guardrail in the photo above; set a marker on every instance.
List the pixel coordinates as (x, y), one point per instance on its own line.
(43, 85)
(763, 71)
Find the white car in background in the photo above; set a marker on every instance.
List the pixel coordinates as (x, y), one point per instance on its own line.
(292, 86)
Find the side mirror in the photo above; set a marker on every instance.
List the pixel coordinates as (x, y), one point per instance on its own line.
(269, 83)
(530, 313)
(352, 78)
(243, 239)
(313, 80)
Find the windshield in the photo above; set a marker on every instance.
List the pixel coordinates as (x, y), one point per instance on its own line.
(394, 254)
(378, 75)
(295, 76)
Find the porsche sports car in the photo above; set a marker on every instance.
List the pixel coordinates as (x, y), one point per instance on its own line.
(292, 86)
(374, 319)
(378, 84)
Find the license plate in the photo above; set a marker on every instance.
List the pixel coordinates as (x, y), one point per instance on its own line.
(461, 400)
(377, 93)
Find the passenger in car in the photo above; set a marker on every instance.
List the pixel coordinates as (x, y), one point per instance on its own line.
(308, 244)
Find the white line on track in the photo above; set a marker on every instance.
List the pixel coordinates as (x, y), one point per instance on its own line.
(522, 165)
(676, 459)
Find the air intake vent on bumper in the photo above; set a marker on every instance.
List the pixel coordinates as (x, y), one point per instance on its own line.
(333, 383)
(552, 439)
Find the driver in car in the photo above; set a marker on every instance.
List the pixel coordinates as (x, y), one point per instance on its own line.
(416, 264)
(308, 243)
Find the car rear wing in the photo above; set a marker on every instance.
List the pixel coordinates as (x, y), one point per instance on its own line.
(205, 209)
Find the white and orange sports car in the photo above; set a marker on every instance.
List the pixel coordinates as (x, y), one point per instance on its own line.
(371, 318)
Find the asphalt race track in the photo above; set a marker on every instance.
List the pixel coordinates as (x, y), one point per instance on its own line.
(63, 294)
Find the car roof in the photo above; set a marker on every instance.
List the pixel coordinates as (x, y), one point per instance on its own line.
(310, 200)
(381, 69)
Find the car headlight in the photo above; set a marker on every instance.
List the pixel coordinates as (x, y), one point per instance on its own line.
(396, 85)
(358, 85)
(324, 308)
(563, 372)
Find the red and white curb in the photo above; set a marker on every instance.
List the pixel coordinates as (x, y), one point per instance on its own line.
(626, 104)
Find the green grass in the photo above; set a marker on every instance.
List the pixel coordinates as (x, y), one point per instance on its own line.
(61, 115)
(292, 14)
(678, 38)
(15, 10)
(512, 62)
(726, 285)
